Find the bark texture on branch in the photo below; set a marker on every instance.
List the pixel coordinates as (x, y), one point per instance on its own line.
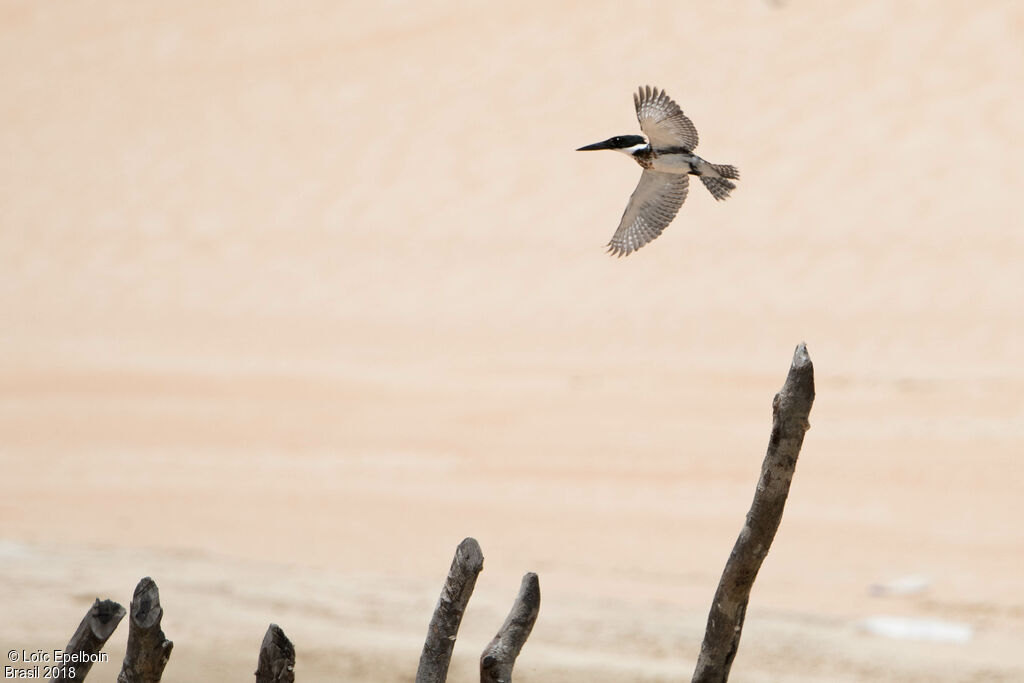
(277, 658)
(97, 625)
(500, 655)
(791, 408)
(148, 650)
(444, 625)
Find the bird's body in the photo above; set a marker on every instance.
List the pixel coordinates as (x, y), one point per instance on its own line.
(668, 161)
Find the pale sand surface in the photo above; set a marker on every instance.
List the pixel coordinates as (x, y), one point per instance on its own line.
(294, 300)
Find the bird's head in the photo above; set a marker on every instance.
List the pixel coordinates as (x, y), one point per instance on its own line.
(627, 144)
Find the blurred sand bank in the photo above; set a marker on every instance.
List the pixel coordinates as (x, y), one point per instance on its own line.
(328, 281)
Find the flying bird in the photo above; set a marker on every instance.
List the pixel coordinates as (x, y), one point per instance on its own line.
(668, 161)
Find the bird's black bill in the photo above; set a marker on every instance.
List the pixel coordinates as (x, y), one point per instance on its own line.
(596, 145)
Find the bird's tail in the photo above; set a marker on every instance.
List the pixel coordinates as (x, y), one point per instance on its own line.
(726, 171)
(720, 187)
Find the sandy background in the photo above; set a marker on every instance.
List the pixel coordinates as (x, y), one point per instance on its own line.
(292, 299)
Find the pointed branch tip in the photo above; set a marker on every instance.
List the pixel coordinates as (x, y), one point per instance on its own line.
(499, 657)
(800, 355)
(470, 554)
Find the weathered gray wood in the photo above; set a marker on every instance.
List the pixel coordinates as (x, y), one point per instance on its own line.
(148, 650)
(97, 625)
(444, 625)
(791, 408)
(500, 655)
(277, 658)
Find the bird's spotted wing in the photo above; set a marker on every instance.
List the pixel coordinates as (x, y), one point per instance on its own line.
(662, 121)
(652, 207)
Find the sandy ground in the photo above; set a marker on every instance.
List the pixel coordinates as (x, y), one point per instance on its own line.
(294, 299)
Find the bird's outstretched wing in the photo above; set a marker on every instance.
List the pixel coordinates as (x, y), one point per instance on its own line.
(662, 121)
(651, 208)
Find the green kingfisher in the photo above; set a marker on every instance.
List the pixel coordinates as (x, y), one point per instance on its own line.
(668, 160)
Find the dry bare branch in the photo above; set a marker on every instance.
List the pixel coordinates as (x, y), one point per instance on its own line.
(277, 658)
(97, 625)
(791, 408)
(148, 650)
(500, 655)
(444, 625)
